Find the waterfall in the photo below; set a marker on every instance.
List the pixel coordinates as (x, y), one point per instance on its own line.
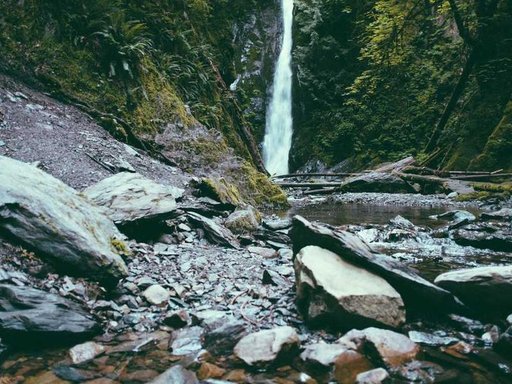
(279, 123)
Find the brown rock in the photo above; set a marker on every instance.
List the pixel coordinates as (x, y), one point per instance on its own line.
(210, 371)
(237, 376)
(348, 365)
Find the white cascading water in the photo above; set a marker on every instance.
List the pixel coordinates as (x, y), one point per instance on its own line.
(279, 123)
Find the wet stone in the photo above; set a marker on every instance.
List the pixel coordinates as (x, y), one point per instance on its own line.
(375, 376)
(266, 346)
(186, 341)
(84, 352)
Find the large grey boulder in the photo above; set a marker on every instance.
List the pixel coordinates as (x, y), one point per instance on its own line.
(488, 288)
(418, 294)
(265, 347)
(29, 315)
(332, 290)
(376, 182)
(46, 215)
(129, 197)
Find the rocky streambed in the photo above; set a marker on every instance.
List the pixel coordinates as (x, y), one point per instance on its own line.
(128, 270)
(184, 286)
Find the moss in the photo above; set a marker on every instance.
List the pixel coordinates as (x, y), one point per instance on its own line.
(485, 191)
(221, 190)
(260, 189)
(120, 247)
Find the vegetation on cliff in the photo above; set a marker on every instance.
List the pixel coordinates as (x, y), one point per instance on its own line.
(381, 79)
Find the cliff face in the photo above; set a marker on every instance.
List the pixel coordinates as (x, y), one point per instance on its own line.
(257, 41)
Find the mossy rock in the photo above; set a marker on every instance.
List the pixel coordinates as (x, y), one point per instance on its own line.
(219, 189)
(242, 221)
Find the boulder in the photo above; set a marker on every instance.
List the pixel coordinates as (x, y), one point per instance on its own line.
(376, 182)
(418, 294)
(59, 223)
(268, 346)
(215, 232)
(31, 316)
(503, 214)
(332, 290)
(243, 221)
(131, 197)
(484, 237)
(488, 288)
(392, 348)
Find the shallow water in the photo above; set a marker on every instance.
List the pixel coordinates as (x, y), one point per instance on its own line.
(357, 213)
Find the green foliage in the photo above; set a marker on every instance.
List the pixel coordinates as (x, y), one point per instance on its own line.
(387, 71)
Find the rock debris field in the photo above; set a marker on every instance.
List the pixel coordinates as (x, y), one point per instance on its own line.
(130, 276)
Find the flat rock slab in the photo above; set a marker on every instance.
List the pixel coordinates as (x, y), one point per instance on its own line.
(265, 347)
(32, 316)
(419, 295)
(43, 213)
(332, 290)
(483, 288)
(215, 232)
(129, 197)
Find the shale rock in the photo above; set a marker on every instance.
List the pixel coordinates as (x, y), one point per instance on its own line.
(417, 293)
(393, 348)
(331, 289)
(176, 375)
(487, 288)
(45, 214)
(28, 315)
(376, 182)
(130, 197)
(266, 347)
(215, 232)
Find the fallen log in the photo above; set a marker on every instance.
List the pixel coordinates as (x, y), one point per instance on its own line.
(483, 177)
(322, 191)
(307, 185)
(291, 175)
